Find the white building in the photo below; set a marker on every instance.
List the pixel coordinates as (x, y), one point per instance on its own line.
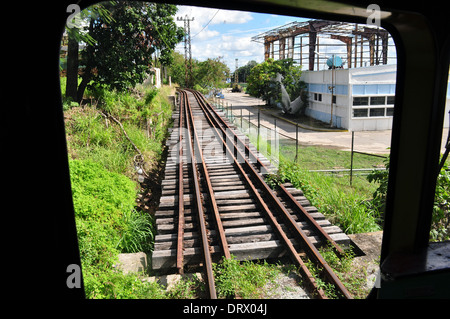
(154, 78)
(363, 98)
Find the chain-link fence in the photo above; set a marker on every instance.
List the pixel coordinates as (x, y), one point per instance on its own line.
(271, 141)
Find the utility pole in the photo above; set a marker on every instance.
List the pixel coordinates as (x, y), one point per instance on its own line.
(236, 73)
(187, 48)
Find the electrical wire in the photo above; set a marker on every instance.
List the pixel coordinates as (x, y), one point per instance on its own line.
(206, 24)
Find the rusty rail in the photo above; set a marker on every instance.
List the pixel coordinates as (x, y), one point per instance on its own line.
(198, 169)
(318, 229)
(198, 201)
(269, 196)
(180, 236)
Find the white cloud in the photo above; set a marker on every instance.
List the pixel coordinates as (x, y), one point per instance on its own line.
(207, 42)
(232, 17)
(203, 16)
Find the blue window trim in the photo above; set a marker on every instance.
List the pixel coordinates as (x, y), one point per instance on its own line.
(373, 89)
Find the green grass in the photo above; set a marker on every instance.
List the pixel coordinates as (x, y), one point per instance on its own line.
(344, 206)
(342, 267)
(104, 186)
(243, 279)
(92, 136)
(347, 206)
(319, 158)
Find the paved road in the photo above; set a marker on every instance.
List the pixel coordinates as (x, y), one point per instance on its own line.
(365, 141)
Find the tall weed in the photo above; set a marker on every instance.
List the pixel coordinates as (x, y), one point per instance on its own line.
(242, 279)
(342, 206)
(440, 227)
(103, 188)
(137, 233)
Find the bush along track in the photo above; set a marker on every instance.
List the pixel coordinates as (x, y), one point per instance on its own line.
(103, 156)
(115, 145)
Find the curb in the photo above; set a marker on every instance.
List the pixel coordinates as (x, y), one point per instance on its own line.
(305, 126)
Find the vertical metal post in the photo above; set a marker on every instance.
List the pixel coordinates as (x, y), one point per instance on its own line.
(351, 160)
(273, 142)
(241, 118)
(231, 113)
(296, 143)
(259, 123)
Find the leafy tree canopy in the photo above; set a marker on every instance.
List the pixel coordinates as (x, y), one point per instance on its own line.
(212, 72)
(244, 71)
(120, 55)
(262, 83)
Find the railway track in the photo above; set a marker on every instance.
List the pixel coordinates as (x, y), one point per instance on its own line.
(215, 203)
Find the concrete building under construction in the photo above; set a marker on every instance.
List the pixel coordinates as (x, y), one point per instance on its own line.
(358, 92)
(311, 43)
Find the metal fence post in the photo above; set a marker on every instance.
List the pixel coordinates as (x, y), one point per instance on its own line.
(351, 159)
(296, 142)
(257, 138)
(231, 113)
(241, 118)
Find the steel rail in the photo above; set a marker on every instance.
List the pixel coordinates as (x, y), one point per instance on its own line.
(180, 233)
(209, 189)
(310, 280)
(306, 244)
(320, 231)
(260, 165)
(199, 205)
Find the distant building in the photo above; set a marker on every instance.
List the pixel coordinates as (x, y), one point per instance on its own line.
(363, 98)
(356, 99)
(154, 78)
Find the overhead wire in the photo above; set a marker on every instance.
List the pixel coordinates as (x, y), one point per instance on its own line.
(206, 24)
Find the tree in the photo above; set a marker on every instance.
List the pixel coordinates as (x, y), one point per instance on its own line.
(244, 71)
(76, 34)
(120, 56)
(262, 83)
(210, 73)
(177, 69)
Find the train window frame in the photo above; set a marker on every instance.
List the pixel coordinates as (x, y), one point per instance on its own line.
(417, 29)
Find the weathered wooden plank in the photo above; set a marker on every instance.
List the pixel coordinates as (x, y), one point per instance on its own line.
(236, 207)
(263, 249)
(240, 215)
(234, 201)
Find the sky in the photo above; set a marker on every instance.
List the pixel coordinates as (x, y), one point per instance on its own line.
(228, 33)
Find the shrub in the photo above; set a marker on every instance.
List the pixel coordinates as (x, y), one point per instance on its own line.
(108, 224)
(244, 280)
(347, 209)
(99, 194)
(262, 83)
(111, 284)
(103, 191)
(440, 227)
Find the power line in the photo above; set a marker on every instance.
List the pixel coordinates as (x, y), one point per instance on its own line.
(207, 23)
(187, 49)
